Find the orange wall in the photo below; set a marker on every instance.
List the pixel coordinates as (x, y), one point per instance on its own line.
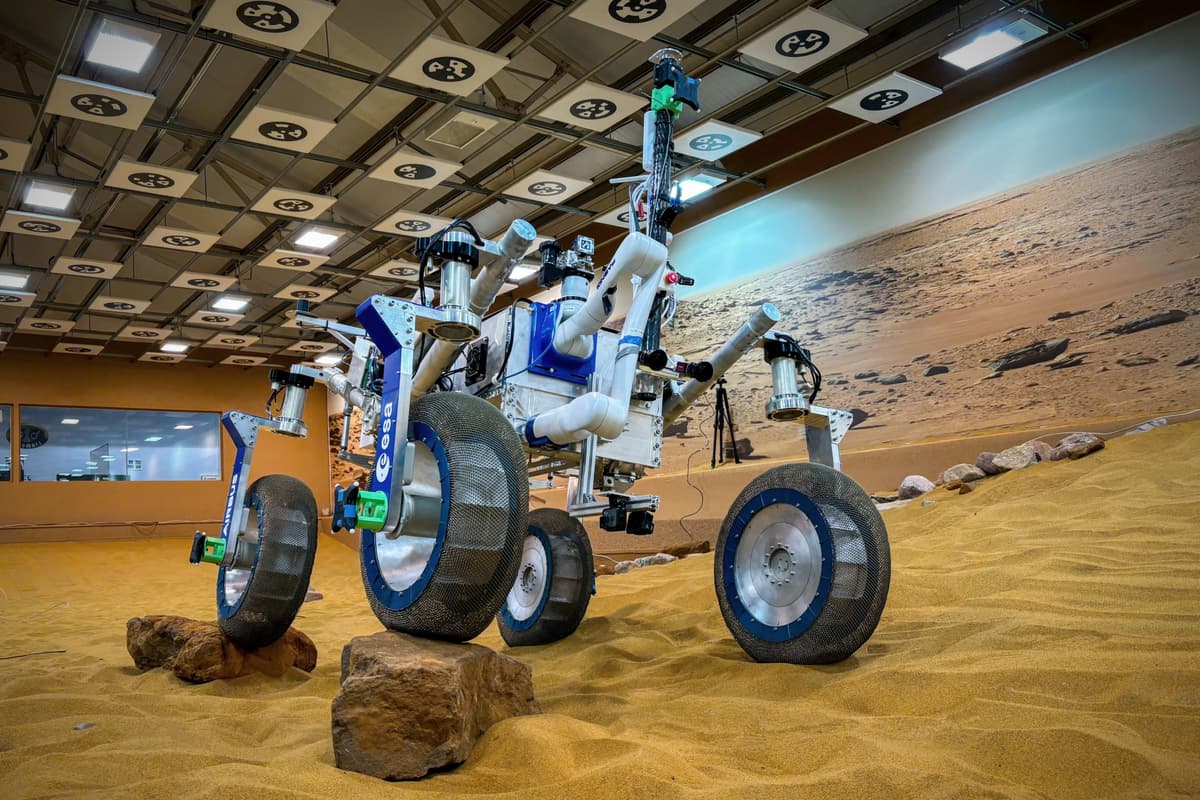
(49, 511)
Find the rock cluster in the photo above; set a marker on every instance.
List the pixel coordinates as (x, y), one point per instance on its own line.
(199, 652)
(965, 477)
(408, 706)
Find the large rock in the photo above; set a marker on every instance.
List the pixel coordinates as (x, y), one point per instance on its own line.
(1077, 445)
(199, 652)
(1044, 450)
(409, 705)
(1152, 321)
(986, 463)
(1019, 457)
(963, 473)
(914, 486)
(892, 380)
(1030, 354)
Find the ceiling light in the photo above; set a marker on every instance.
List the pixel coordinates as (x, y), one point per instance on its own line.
(520, 273)
(13, 278)
(89, 463)
(108, 458)
(329, 359)
(183, 427)
(48, 195)
(231, 303)
(316, 238)
(70, 421)
(122, 47)
(993, 44)
(697, 184)
(152, 439)
(173, 347)
(129, 449)
(93, 466)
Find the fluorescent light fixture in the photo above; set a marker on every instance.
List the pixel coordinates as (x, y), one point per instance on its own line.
(70, 421)
(152, 439)
(993, 43)
(329, 359)
(13, 278)
(48, 195)
(93, 466)
(520, 273)
(183, 427)
(316, 238)
(129, 449)
(231, 303)
(696, 185)
(123, 47)
(89, 463)
(108, 458)
(173, 347)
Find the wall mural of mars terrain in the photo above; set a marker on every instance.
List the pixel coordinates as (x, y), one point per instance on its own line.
(1090, 278)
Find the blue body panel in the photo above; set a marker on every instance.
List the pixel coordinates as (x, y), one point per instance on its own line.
(544, 359)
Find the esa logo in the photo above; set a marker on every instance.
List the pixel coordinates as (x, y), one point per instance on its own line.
(383, 464)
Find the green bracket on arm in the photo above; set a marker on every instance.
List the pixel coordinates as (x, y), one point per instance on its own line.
(372, 510)
(663, 98)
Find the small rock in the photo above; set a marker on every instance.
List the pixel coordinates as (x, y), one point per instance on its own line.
(1065, 315)
(920, 358)
(963, 472)
(991, 376)
(1018, 457)
(199, 652)
(1187, 362)
(951, 486)
(891, 380)
(622, 567)
(928, 502)
(1136, 361)
(1030, 354)
(1066, 361)
(1152, 321)
(858, 417)
(863, 376)
(654, 560)
(1043, 449)
(968, 487)
(1148, 426)
(689, 548)
(985, 462)
(936, 369)
(83, 726)
(914, 486)
(407, 705)
(604, 566)
(885, 498)
(312, 595)
(1077, 445)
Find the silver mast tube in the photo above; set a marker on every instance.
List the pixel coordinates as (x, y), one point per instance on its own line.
(484, 288)
(761, 321)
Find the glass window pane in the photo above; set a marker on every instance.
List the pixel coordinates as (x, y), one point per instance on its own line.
(101, 444)
(6, 437)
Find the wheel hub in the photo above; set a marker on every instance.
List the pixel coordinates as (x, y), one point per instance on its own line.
(525, 598)
(777, 565)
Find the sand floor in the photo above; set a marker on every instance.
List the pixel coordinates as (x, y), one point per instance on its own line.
(1042, 639)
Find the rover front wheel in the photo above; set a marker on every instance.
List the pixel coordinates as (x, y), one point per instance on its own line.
(554, 583)
(802, 566)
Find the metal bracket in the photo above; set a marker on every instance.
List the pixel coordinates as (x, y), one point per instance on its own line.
(824, 429)
(633, 502)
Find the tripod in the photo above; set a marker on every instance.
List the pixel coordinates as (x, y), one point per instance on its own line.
(723, 417)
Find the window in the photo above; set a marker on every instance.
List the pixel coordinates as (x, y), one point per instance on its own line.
(99, 444)
(6, 430)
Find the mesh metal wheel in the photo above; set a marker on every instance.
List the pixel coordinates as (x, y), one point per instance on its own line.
(450, 583)
(554, 584)
(802, 566)
(256, 606)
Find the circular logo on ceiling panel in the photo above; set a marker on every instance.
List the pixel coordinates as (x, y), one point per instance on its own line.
(547, 188)
(34, 226)
(117, 305)
(77, 349)
(402, 272)
(214, 318)
(414, 172)
(413, 225)
(293, 261)
(884, 99)
(710, 142)
(593, 109)
(636, 11)
(448, 69)
(99, 105)
(268, 17)
(161, 358)
(293, 204)
(802, 43)
(9, 298)
(145, 334)
(45, 326)
(85, 269)
(305, 295)
(203, 283)
(177, 240)
(283, 131)
(151, 180)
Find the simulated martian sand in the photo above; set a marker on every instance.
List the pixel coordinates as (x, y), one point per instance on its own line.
(1042, 639)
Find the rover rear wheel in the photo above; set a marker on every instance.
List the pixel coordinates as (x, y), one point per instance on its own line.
(447, 573)
(554, 583)
(256, 605)
(802, 566)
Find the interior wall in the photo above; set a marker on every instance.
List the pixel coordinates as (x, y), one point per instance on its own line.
(53, 511)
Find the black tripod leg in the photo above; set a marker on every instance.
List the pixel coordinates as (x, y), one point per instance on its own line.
(732, 436)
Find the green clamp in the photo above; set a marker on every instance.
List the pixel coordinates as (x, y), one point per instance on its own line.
(206, 549)
(664, 98)
(372, 510)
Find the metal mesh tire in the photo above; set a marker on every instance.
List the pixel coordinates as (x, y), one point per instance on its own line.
(278, 582)
(572, 577)
(488, 502)
(855, 581)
